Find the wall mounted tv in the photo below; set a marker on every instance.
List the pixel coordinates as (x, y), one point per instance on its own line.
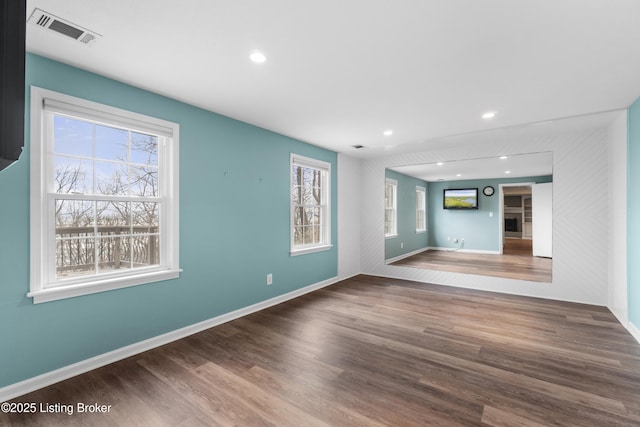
(460, 198)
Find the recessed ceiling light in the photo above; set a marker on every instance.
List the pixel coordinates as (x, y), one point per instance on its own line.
(507, 172)
(458, 174)
(388, 132)
(258, 57)
(440, 163)
(489, 115)
(503, 157)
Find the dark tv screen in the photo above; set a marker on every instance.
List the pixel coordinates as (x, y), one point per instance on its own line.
(460, 198)
(12, 52)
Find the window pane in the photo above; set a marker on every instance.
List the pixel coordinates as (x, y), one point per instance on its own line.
(296, 175)
(145, 250)
(420, 220)
(308, 216)
(144, 181)
(72, 137)
(311, 178)
(74, 213)
(146, 215)
(297, 235)
(111, 143)
(114, 253)
(313, 215)
(296, 194)
(298, 216)
(144, 149)
(72, 176)
(112, 214)
(75, 256)
(111, 178)
(308, 235)
(74, 238)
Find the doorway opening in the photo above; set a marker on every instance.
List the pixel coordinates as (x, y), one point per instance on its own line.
(526, 219)
(516, 214)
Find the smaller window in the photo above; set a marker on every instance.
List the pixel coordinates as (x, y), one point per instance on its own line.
(390, 208)
(421, 223)
(310, 209)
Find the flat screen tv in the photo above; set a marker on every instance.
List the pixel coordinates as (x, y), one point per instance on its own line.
(460, 198)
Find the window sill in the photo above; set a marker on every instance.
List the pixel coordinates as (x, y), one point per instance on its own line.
(303, 251)
(421, 231)
(108, 284)
(390, 236)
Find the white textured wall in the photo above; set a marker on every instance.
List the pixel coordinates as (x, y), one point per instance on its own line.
(580, 209)
(617, 301)
(348, 219)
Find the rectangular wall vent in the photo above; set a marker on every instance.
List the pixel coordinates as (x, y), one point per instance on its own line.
(47, 20)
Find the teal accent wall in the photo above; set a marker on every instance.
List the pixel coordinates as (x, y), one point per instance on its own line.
(407, 236)
(227, 247)
(480, 232)
(633, 212)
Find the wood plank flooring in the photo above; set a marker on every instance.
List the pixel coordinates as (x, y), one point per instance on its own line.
(510, 266)
(518, 247)
(372, 351)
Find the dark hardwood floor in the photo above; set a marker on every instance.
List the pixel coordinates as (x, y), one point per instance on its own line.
(514, 263)
(372, 351)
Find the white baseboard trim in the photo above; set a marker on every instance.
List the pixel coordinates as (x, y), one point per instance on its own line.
(403, 256)
(634, 331)
(23, 387)
(349, 276)
(620, 315)
(469, 251)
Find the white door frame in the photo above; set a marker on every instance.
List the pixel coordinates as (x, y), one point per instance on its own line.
(501, 219)
(543, 225)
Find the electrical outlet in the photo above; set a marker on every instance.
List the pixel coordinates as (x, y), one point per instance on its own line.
(462, 240)
(269, 279)
(401, 245)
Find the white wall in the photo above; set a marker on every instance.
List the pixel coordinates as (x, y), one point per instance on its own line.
(348, 216)
(580, 215)
(617, 299)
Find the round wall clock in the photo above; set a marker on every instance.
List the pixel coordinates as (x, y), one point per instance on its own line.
(488, 190)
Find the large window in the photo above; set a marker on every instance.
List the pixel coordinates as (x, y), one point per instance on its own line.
(421, 209)
(104, 191)
(390, 208)
(310, 210)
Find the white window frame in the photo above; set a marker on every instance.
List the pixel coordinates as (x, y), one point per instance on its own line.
(325, 205)
(394, 208)
(44, 286)
(421, 208)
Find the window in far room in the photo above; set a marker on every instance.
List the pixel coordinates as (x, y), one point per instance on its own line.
(390, 208)
(421, 223)
(310, 207)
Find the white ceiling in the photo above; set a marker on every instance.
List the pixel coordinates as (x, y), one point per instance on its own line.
(523, 165)
(339, 73)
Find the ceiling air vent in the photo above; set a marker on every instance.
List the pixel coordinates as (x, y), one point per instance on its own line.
(46, 20)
